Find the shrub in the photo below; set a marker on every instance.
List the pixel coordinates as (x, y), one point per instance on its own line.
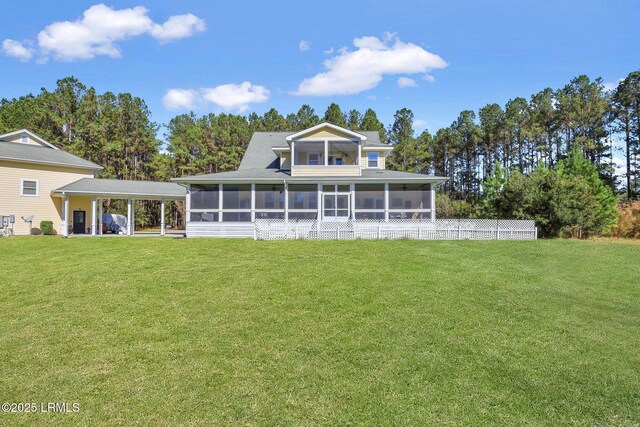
(46, 227)
(447, 208)
(628, 220)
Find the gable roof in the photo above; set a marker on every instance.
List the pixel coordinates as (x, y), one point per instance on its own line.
(31, 134)
(260, 155)
(43, 155)
(124, 188)
(330, 126)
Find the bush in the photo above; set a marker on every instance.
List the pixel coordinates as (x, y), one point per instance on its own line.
(46, 227)
(447, 208)
(570, 201)
(628, 220)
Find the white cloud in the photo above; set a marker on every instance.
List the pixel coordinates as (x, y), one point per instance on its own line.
(419, 123)
(328, 51)
(180, 99)
(178, 27)
(609, 86)
(17, 49)
(406, 82)
(236, 96)
(101, 27)
(229, 97)
(304, 46)
(351, 72)
(429, 78)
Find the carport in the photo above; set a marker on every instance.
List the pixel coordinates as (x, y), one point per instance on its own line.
(99, 189)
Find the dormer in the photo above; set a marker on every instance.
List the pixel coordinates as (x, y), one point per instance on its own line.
(329, 150)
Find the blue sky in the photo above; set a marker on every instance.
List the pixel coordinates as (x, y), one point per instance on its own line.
(449, 55)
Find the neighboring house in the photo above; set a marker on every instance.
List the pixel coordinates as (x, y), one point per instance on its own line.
(40, 180)
(325, 173)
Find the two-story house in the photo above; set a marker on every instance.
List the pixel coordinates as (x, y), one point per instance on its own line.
(325, 173)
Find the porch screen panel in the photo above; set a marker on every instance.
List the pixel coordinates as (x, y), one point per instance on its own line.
(369, 201)
(204, 197)
(236, 202)
(409, 201)
(269, 197)
(204, 216)
(303, 196)
(270, 201)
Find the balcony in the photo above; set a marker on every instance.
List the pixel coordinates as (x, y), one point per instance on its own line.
(326, 159)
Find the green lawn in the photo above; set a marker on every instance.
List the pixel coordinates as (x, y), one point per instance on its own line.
(154, 331)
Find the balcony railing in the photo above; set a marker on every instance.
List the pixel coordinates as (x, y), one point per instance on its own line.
(323, 170)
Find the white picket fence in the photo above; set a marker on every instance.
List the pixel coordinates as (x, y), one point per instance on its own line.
(441, 229)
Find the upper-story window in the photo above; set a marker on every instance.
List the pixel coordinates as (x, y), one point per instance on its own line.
(372, 160)
(24, 138)
(29, 187)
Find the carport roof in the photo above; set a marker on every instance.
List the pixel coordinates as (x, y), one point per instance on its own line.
(121, 189)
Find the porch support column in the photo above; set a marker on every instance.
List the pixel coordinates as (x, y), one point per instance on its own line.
(162, 224)
(100, 217)
(353, 201)
(293, 153)
(386, 202)
(253, 203)
(326, 152)
(286, 197)
(187, 205)
(133, 217)
(359, 153)
(94, 215)
(220, 196)
(129, 217)
(65, 216)
(319, 214)
(432, 187)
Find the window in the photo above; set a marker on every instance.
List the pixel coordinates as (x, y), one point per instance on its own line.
(372, 160)
(313, 159)
(29, 187)
(24, 138)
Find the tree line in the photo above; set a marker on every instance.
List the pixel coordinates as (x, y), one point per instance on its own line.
(547, 131)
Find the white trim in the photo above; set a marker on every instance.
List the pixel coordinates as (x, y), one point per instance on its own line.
(22, 181)
(376, 148)
(31, 134)
(327, 125)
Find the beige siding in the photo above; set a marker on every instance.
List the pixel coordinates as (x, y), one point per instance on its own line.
(323, 133)
(18, 139)
(43, 207)
(325, 171)
(285, 161)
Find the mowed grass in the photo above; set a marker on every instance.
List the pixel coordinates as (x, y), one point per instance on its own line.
(152, 331)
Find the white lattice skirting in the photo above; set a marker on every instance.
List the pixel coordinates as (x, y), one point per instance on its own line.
(441, 229)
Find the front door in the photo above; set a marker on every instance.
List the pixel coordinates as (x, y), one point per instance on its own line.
(336, 207)
(79, 222)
